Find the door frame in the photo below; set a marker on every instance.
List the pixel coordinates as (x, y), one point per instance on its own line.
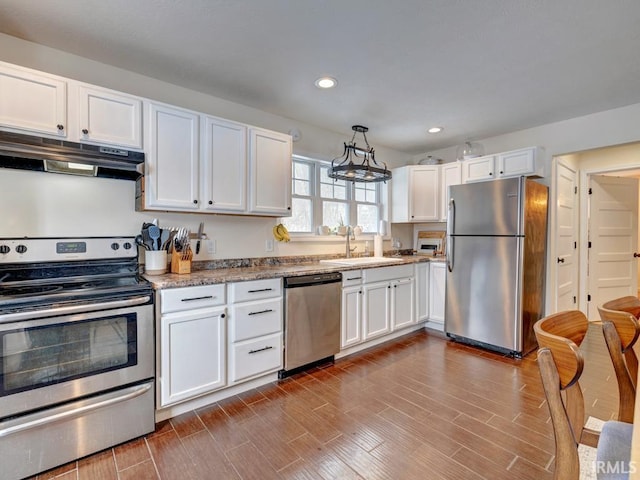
(583, 234)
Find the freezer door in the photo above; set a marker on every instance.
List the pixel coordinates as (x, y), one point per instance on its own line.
(486, 208)
(482, 295)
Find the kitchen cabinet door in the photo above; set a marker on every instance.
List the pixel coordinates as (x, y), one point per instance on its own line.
(525, 162)
(376, 311)
(192, 354)
(108, 117)
(402, 303)
(422, 291)
(478, 169)
(32, 102)
(415, 194)
(224, 166)
(450, 174)
(171, 180)
(437, 286)
(351, 316)
(270, 173)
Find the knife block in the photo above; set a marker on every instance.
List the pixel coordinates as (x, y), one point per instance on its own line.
(181, 261)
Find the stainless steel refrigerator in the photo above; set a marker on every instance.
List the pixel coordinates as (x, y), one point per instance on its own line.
(496, 252)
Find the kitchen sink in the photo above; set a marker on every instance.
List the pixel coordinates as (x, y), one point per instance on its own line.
(361, 260)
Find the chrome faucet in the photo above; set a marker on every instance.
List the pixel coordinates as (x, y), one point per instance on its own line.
(348, 245)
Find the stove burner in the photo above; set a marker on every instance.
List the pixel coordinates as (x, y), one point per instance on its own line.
(28, 291)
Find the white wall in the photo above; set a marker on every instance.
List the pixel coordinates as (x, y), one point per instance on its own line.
(39, 204)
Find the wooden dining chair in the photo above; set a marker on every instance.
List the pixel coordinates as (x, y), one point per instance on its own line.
(623, 313)
(561, 364)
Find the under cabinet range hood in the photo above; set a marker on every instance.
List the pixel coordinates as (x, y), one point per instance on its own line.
(27, 152)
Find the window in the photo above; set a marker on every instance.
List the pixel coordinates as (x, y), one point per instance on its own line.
(319, 200)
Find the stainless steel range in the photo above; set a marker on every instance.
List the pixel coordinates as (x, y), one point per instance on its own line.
(76, 350)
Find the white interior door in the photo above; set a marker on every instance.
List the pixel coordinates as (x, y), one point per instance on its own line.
(567, 264)
(613, 234)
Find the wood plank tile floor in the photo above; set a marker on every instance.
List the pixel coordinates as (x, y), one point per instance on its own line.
(421, 407)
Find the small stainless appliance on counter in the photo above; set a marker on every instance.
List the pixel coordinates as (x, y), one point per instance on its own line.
(497, 233)
(76, 350)
(312, 320)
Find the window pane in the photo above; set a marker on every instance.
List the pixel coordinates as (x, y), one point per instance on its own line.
(360, 195)
(368, 218)
(301, 187)
(334, 214)
(340, 192)
(300, 220)
(366, 192)
(330, 188)
(301, 170)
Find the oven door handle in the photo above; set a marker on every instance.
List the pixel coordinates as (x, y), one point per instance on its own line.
(68, 310)
(71, 411)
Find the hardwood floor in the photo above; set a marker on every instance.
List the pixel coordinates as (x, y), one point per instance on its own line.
(420, 408)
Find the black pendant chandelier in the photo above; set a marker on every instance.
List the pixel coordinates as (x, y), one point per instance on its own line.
(358, 164)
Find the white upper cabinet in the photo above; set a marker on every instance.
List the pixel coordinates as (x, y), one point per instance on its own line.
(478, 169)
(526, 162)
(173, 157)
(450, 174)
(32, 102)
(109, 117)
(224, 166)
(270, 172)
(415, 194)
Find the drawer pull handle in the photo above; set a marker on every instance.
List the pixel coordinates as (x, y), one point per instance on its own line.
(206, 297)
(354, 278)
(260, 290)
(261, 311)
(260, 350)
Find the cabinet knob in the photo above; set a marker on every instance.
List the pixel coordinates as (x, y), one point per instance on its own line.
(501, 172)
(85, 131)
(60, 126)
(636, 254)
(222, 315)
(195, 202)
(560, 260)
(288, 208)
(210, 202)
(490, 173)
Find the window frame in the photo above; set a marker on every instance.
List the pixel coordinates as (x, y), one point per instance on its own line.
(317, 200)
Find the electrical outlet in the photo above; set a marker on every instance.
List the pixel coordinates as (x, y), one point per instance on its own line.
(211, 246)
(268, 245)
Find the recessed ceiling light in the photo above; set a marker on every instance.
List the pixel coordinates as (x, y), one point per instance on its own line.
(326, 82)
(435, 130)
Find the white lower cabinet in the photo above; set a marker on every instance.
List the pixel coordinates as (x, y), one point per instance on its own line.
(194, 354)
(376, 302)
(422, 291)
(376, 309)
(255, 328)
(192, 342)
(437, 288)
(402, 303)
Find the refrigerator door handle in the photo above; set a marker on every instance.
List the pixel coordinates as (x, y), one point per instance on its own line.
(451, 216)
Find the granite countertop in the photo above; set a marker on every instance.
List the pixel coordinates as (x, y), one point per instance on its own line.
(207, 274)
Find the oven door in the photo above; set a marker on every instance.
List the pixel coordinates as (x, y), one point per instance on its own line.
(51, 360)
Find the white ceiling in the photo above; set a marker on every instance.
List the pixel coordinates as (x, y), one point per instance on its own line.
(477, 68)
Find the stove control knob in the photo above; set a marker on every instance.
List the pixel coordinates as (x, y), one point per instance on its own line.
(4, 249)
(115, 246)
(21, 249)
(127, 246)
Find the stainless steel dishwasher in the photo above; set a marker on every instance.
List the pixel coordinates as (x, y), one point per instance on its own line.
(312, 320)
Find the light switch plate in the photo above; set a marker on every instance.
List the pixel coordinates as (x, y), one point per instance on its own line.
(268, 245)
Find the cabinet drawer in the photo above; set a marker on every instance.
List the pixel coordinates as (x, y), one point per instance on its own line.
(187, 298)
(387, 273)
(255, 357)
(255, 290)
(254, 319)
(351, 277)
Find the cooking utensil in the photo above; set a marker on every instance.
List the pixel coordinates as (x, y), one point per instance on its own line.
(154, 235)
(200, 236)
(140, 241)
